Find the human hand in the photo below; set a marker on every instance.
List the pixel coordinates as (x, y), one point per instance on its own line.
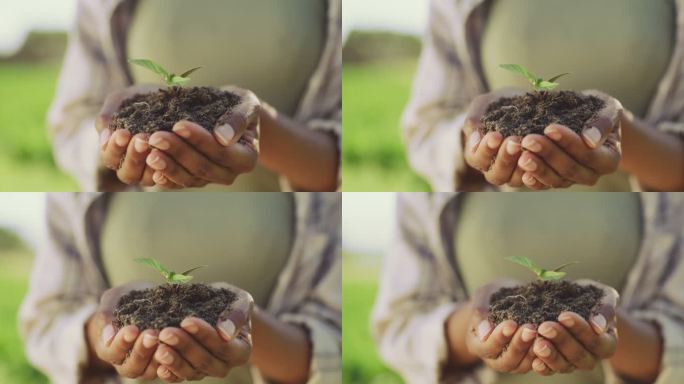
(561, 158)
(504, 348)
(575, 343)
(190, 156)
(491, 154)
(198, 349)
(128, 350)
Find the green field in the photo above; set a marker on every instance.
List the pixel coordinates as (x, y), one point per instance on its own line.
(360, 360)
(25, 154)
(373, 98)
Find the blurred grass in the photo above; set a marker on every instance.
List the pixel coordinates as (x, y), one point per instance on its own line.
(373, 97)
(360, 360)
(16, 266)
(26, 162)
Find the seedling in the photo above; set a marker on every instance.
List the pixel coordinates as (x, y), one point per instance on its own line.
(170, 276)
(538, 83)
(542, 274)
(171, 79)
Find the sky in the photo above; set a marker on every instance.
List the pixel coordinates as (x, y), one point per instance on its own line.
(18, 17)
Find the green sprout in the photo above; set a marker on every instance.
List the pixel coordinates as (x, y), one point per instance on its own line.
(170, 276)
(542, 274)
(171, 79)
(538, 83)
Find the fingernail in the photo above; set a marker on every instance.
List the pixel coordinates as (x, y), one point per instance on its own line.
(189, 326)
(181, 131)
(553, 133)
(544, 351)
(104, 137)
(224, 133)
(493, 142)
(156, 162)
(593, 136)
(474, 140)
(130, 336)
(159, 178)
(149, 340)
(483, 329)
(513, 148)
(107, 334)
(227, 328)
(532, 145)
(160, 143)
(508, 331)
(140, 145)
(548, 331)
(166, 358)
(529, 165)
(169, 338)
(538, 365)
(528, 179)
(566, 320)
(599, 322)
(121, 140)
(528, 334)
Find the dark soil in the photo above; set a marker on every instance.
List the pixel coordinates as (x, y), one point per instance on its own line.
(541, 301)
(167, 305)
(533, 112)
(160, 110)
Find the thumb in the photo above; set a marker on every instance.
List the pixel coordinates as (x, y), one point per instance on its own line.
(237, 317)
(597, 130)
(232, 125)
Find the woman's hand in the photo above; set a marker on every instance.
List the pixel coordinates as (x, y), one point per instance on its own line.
(561, 158)
(575, 343)
(505, 348)
(190, 156)
(128, 350)
(199, 349)
(490, 154)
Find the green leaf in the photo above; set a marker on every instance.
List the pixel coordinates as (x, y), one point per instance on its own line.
(154, 264)
(193, 269)
(527, 263)
(189, 72)
(546, 86)
(551, 275)
(564, 265)
(553, 79)
(151, 65)
(178, 80)
(178, 278)
(520, 70)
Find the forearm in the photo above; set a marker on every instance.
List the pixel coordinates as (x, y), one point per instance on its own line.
(456, 328)
(308, 158)
(639, 349)
(282, 351)
(654, 157)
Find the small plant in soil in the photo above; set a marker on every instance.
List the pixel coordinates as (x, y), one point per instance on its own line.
(534, 111)
(160, 110)
(168, 304)
(544, 299)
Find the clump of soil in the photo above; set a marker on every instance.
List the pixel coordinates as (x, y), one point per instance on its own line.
(533, 112)
(167, 305)
(541, 301)
(160, 110)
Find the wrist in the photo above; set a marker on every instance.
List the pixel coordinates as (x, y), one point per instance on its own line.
(456, 330)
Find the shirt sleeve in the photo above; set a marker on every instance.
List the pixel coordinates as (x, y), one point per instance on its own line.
(60, 299)
(435, 113)
(414, 302)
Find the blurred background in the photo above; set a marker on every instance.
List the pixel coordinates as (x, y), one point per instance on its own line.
(21, 228)
(379, 57)
(32, 42)
(367, 227)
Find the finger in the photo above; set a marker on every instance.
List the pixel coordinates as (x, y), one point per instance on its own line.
(499, 338)
(540, 368)
(161, 162)
(164, 182)
(234, 352)
(140, 356)
(526, 363)
(506, 162)
(150, 371)
(174, 362)
(603, 160)
(133, 166)
(600, 345)
(231, 126)
(105, 135)
(190, 159)
(116, 352)
(546, 351)
(165, 374)
(569, 347)
(562, 163)
(116, 148)
(147, 177)
(193, 352)
(517, 349)
(532, 183)
(481, 156)
(598, 129)
(535, 166)
(516, 179)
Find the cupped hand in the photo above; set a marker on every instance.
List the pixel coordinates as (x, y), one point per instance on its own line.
(128, 350)
(575, 343)
(120, 151)
(190, 156)
(198, 349)
(491, 154)
(504, 348)
(561, 158)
